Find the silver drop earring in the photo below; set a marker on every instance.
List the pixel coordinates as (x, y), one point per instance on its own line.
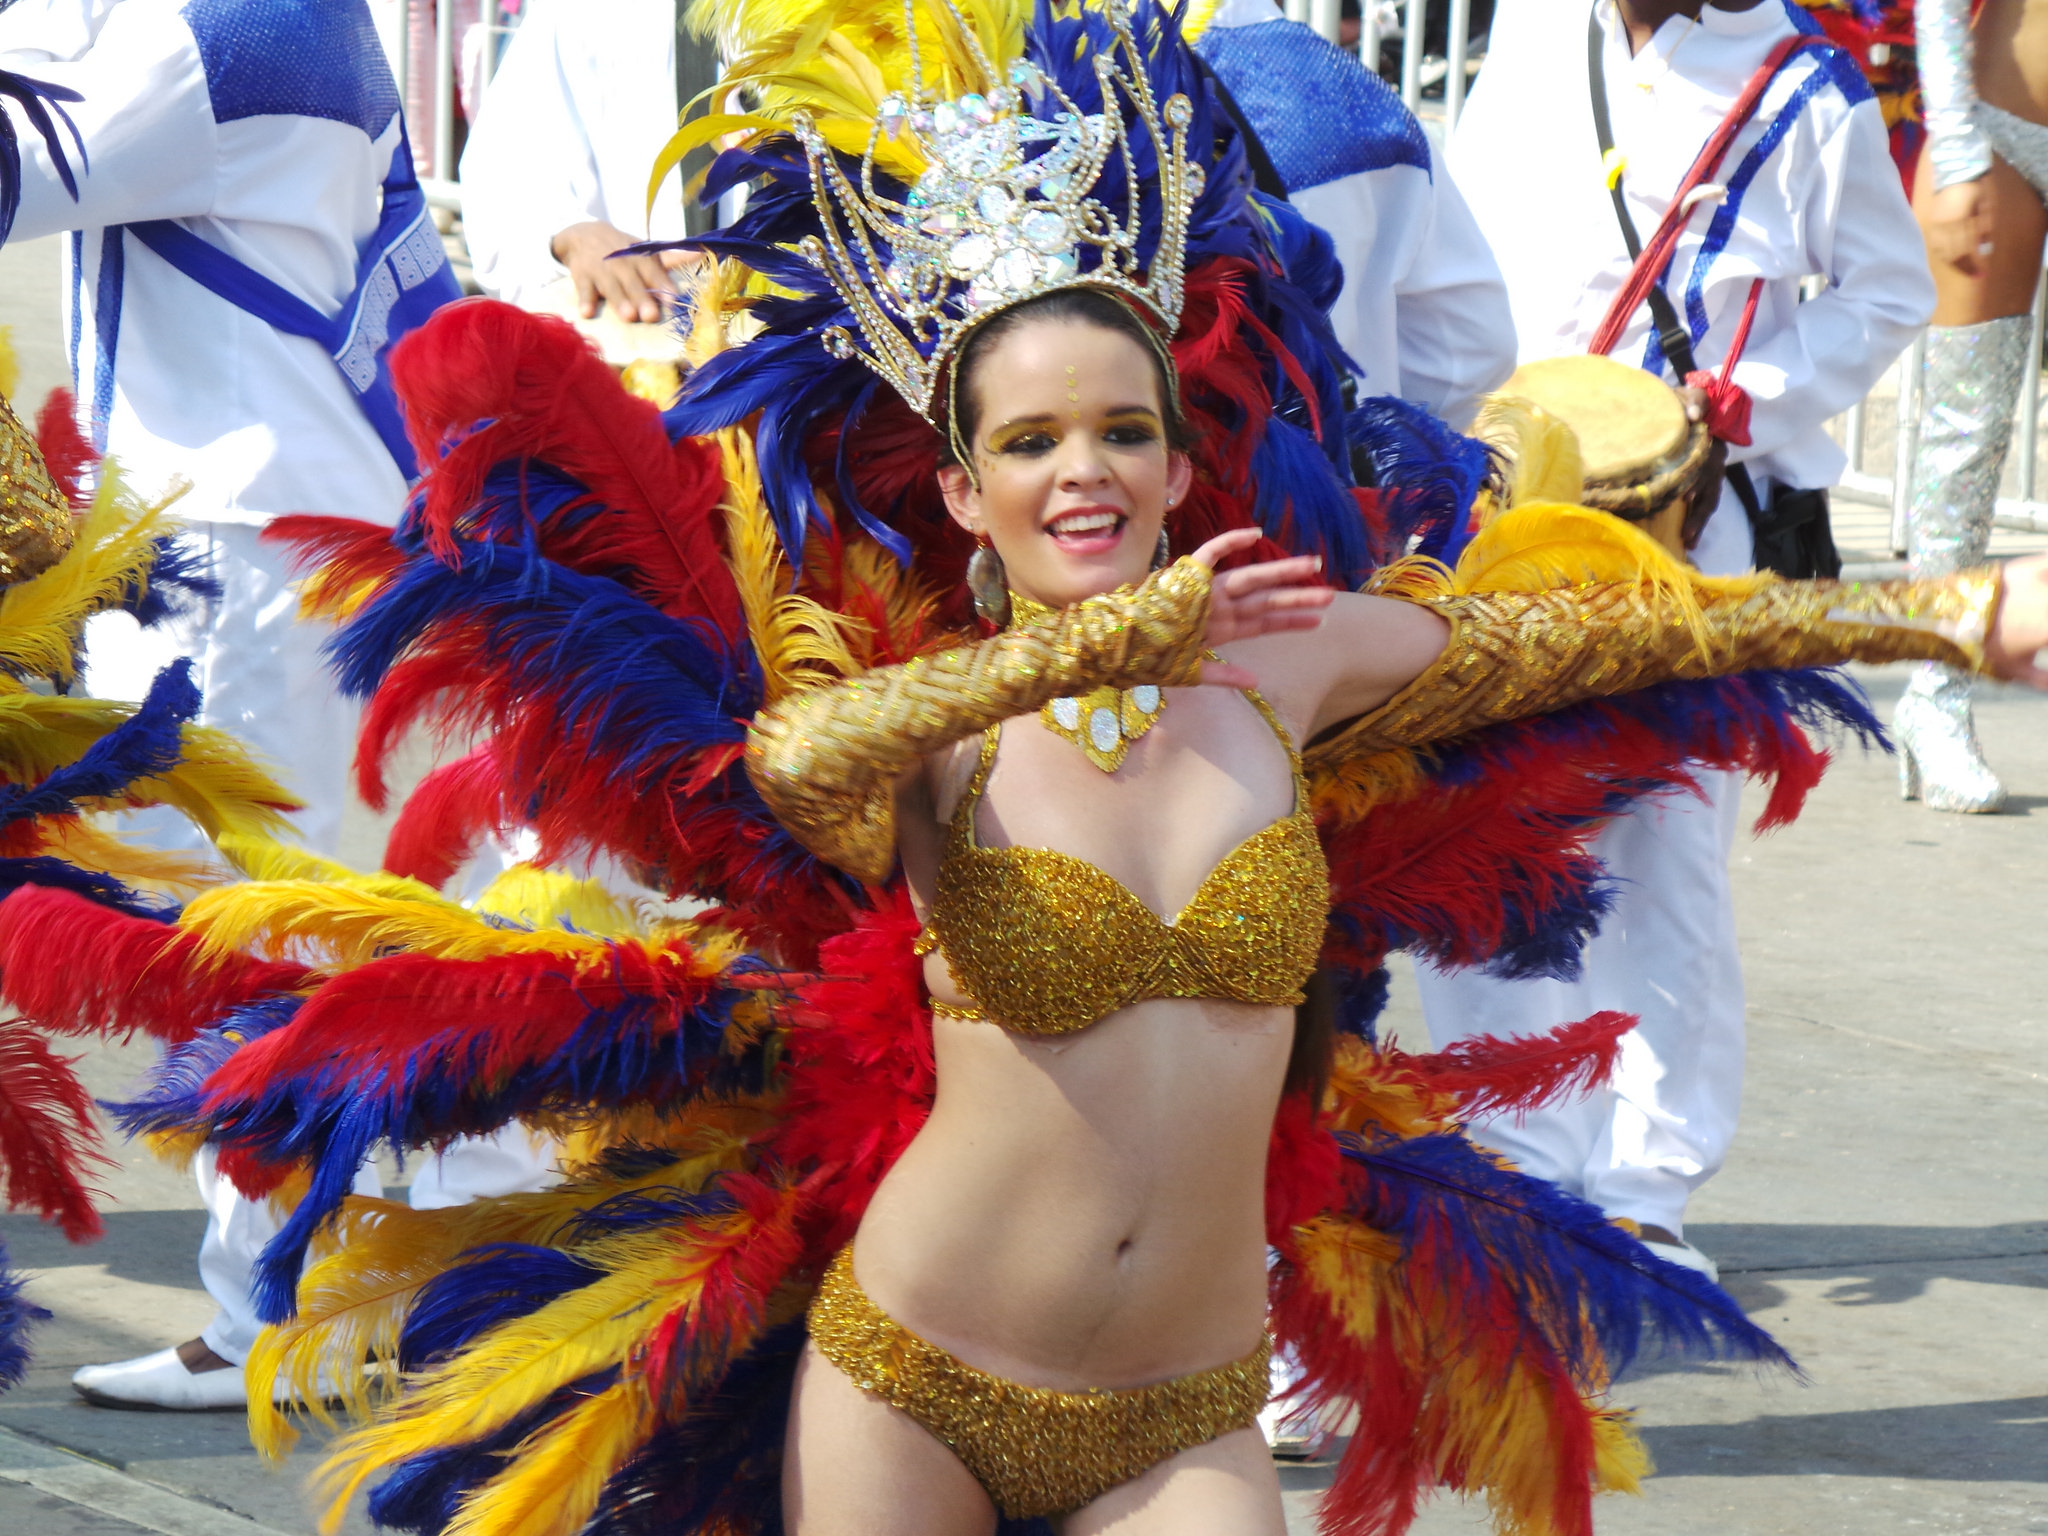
(1162, 554)
(986, 580)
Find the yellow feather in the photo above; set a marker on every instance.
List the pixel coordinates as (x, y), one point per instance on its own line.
(352, 1306)
(556, 1476)
(1412, 578)
(267, 859)
(218, 786)
(1368, 1089)
(40, 619)
(340, 927)
(1544, 546)
(1541, 451)
(518, 1363)
(835, 61)
(10, 371)
(549, 898)
(91, 846)
(1620, 1459)
(797, 639)
(1342, 793)
(365, 1270)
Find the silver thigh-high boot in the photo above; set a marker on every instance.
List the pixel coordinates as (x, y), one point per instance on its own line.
(1971, 386)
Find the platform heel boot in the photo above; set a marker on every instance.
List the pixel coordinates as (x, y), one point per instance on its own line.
(1969, 391)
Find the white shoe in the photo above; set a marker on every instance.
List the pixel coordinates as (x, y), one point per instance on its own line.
(161, 1381)
(1686, 1257)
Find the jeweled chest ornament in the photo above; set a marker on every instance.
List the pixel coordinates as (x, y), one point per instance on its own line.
(1102, 722)
(1022, 192)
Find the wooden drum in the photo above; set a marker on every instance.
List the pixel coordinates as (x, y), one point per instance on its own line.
(1643, 461)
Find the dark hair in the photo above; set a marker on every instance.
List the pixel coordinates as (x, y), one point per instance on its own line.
(1315, 1037)
(1071, 306)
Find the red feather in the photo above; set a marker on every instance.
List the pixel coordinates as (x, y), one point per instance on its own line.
(485, 383)
(446, 818)
(77, 968)
(861, 1076)
(1492, 1076)
(64, 448)
(368, 1027)
(48, 1142)
(347, 549)
(1455, 860)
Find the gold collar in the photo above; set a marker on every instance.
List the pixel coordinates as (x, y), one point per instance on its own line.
(1102, 722)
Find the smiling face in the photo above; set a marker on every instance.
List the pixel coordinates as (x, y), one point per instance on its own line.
(1071, 452)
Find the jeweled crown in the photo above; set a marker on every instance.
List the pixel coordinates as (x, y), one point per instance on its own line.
(1022, 193)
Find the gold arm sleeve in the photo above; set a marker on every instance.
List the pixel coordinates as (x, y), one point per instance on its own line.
(827, 759)
(1516, 654)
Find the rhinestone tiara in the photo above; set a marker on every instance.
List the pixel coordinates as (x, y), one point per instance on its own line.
(1022, 193)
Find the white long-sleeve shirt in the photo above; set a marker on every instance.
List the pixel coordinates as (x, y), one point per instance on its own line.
(1820, 196)
(1423, 311)
(265, 127)
(583, 101)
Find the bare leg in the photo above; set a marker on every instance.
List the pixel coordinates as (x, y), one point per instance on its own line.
(854, 1466)
(1978, 353)
(1225, 1488)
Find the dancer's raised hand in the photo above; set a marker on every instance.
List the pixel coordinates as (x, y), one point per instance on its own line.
(1262, 599)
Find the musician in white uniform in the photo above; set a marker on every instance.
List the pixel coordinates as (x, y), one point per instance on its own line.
(555, 173)
(1808, 189)
(1422, 311)
(266, 129)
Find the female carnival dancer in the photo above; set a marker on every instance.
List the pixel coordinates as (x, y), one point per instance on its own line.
(937, 1199)
(1980, 193)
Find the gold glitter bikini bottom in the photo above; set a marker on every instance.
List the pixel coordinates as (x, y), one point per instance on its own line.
(1036, 1451)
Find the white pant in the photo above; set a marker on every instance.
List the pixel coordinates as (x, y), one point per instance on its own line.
(1660, 1127)
(473, 1168)
(261, 673)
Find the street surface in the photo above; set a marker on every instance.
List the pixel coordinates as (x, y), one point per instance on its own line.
(1885, 1210)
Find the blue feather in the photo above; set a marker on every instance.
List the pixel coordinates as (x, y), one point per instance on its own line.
(144, 745)
(179, 581)
(18, 1315)
(1566, 1266)
(481, 1289)
(102, 889)
(424, 1493)
(1428, 475)
(42, 104)
(715, 1461)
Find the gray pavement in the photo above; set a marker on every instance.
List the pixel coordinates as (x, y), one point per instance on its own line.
(1885, 1211)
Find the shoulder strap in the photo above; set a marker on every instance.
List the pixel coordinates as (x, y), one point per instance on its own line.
(1645, 282)
(1265, 176)
(697, 70)
(971, 796)
(218, 272)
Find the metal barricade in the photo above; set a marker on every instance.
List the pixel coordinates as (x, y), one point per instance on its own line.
(1326, 17)
(429, 42)
(2025, 512)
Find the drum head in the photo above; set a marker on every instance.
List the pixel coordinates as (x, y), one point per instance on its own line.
(1630, 424)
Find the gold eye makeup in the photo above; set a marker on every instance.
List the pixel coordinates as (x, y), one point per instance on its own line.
(1013, 433)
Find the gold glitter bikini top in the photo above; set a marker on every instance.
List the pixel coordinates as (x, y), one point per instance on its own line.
(1046, 943)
